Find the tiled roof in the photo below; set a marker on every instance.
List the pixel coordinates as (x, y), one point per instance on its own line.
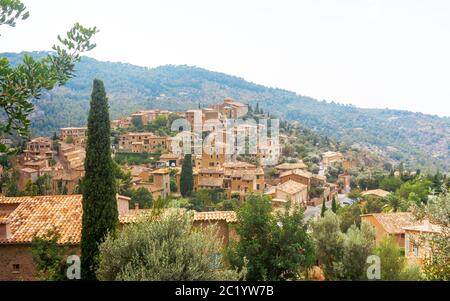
(299, 172)
(38, 215)
(210, 182)
(331, 154)
(169, 156)
(291, 187)
(238, 164)
(431, 228)
(228, 216)
(394, 222)
(288, 166)
(377, 192)
(211, 170)
(14, 200)
(247, 174)
(161, 171)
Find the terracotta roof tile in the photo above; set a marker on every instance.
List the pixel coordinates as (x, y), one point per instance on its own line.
(289, 166)
(210, 182)
(299, 172)
(291, 187)
(394, 222)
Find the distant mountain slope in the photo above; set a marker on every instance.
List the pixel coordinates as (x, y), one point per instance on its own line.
(418, 139)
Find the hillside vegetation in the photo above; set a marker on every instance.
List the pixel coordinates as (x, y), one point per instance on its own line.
(421, 141)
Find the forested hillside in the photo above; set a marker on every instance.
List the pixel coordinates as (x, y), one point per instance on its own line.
(421, 141)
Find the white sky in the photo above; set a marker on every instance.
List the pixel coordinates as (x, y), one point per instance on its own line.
(370, 53)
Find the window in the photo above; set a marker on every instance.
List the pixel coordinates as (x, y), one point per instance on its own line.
(16, 268)
(407, 246)
(415, 251)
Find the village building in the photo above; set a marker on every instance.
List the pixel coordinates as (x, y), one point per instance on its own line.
(170, 160)
(122, 123)
(292, 191)
(74, 135)
(139, 173)
(148, 116)
(329, 158)
(39, 149)
(21, 218)
(156, 181)
(290, 166)
(390, 224)
(231, 109)
(27, 175)
(142, 143)
(303, 176)
(417, 246)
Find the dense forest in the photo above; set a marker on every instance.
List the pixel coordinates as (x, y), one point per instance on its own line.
(419, 140)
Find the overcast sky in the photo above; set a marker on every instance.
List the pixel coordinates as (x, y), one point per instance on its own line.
(370, 53)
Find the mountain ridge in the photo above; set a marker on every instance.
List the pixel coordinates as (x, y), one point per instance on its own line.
(420, 140)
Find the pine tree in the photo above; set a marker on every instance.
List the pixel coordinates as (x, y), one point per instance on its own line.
(324, 208)
(187, 177)
(334, 205)
(100, 214)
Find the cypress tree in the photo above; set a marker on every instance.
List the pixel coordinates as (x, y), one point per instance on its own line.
(324, 208)
(187, 177)
(100, 214)
(334, 205)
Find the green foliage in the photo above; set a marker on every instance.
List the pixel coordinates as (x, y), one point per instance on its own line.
(420, 187)
(349, 216)
(334, 205)
(436, 267)
(342, 256)
(390, 183)
(354, 194)
(49, 257)
(358, 245)
(166, 249)
(123, 180)
(334, 171)
(323, 209)
(100, 214)
(392, 203)
(11, 11)
(187, 177)
(206, 199)
(393, 263)
(27, 80)
(271, 247)
(373, 205)
(329, 241)
(132, 158)
(143, 197)
(9, 183)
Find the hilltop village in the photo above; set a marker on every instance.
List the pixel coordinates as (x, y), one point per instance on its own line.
(41, 185)
(61, 160)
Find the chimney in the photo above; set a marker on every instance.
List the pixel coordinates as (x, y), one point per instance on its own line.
(5, 230)
(136, 206)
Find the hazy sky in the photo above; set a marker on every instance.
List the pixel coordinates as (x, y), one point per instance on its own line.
(391, 53)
